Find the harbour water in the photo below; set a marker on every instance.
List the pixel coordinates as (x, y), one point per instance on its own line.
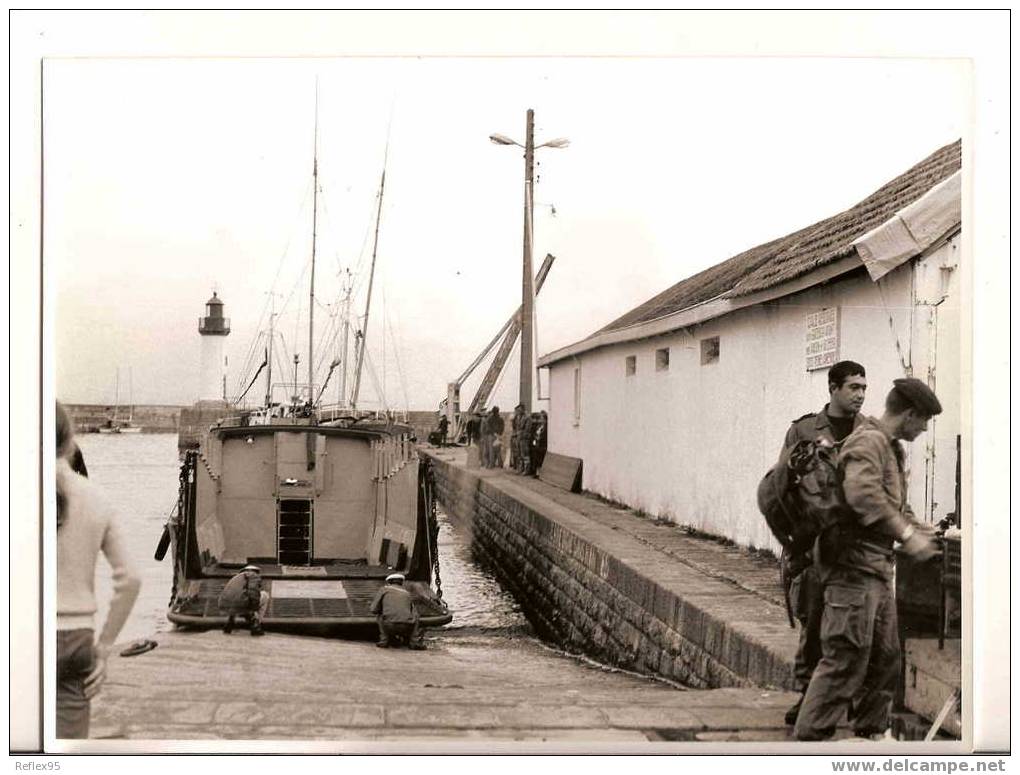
(139, 475)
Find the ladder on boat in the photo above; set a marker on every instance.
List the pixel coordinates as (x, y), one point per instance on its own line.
(294, 539)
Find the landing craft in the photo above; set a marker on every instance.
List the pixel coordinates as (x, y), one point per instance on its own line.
(325, 502)
(326, 512)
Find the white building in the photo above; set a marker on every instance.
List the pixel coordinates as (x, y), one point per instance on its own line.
(214, 329)
(679, 407)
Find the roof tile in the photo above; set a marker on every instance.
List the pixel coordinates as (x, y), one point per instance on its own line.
(796, 254)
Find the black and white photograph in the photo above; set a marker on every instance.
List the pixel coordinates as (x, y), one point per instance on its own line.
(426, 383)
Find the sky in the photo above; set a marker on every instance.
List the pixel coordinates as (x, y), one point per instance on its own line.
(166, 179)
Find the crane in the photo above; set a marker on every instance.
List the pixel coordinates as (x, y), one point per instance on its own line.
(508, 333)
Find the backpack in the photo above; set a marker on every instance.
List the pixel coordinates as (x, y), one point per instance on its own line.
(802, 495)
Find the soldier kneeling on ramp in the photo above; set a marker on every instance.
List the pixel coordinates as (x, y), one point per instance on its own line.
(243, 596)
(396, 615)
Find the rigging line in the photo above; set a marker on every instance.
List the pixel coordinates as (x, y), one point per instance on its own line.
(249, 365)
(892, 328)
(364, 244)
(374, 220)
(297, 283)
(371, 274)
(283, 255)
(325, 346)
(375, 383)
(249, 361)
(330, 227)
(396, 358)
(253, 350)
(284, 352)
(281, 353)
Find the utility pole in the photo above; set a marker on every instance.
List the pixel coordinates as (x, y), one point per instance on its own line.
(528, 290)
(528, 286)
(311, 285)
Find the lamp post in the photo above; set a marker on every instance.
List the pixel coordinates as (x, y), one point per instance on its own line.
(528, 282)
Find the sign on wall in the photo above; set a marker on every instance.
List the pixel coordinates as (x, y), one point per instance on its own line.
(821, 344)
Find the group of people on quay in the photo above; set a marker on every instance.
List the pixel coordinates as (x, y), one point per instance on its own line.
(843, 591)
(529, 433)
(849, 658)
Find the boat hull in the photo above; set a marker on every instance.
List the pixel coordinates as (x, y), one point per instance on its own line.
(322, 586)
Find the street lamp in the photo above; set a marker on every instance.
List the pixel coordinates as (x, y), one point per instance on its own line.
(528, 284)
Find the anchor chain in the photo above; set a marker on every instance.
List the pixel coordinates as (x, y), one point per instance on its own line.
(430, 504)
(183, 483)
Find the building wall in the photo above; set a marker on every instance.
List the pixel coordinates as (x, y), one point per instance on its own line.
(691, 443)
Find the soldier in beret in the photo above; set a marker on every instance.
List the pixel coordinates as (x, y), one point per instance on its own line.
(860, 661)
(848, 384)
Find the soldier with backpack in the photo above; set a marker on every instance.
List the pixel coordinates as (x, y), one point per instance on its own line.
(860, 661)
(847, 386)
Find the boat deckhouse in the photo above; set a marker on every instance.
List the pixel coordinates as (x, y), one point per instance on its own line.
(678, 407)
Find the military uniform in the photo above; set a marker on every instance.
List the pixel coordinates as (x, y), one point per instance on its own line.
(243, 596)
(528, 422)
(860, 634)
(539, 442)
(516, 422)
(806, 589)
(397, 617)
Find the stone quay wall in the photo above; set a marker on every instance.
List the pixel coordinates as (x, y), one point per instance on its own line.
(151, 418)
(580, 596)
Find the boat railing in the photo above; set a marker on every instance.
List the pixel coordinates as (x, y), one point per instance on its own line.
(391, 455)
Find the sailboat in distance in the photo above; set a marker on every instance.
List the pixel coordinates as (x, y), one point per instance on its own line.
(114, 424)
(326, 504)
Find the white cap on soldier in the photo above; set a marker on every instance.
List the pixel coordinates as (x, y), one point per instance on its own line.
(395, 578)
(255, 568)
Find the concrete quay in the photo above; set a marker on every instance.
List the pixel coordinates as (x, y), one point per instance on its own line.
(624, 589)
(466, 687)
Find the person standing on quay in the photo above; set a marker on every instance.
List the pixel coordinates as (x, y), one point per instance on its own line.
(86, 525)
(847, 386)
(492, 432)
(473, 429)
(860, 661)
(516, 423)
(539, 442)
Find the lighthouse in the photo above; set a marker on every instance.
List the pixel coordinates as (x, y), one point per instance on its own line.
(214, 329)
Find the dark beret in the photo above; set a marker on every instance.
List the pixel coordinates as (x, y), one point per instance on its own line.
(918, 395)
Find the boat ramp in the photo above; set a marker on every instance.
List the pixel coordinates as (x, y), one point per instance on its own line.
(673, 640)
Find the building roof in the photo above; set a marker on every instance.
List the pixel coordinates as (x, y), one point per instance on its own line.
(797, 254)
(215, 300)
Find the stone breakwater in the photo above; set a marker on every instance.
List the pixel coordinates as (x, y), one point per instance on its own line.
(151, 418)
(593, 579)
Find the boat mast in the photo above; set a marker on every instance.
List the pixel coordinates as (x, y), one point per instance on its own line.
(371, 277)
(315, 210)
(269, 351)
(342, 390)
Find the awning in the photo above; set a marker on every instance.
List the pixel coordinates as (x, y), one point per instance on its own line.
(912, 230)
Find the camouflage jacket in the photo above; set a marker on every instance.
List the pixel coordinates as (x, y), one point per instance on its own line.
(875, 486)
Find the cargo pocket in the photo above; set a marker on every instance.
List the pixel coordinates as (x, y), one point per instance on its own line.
(843, 622)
